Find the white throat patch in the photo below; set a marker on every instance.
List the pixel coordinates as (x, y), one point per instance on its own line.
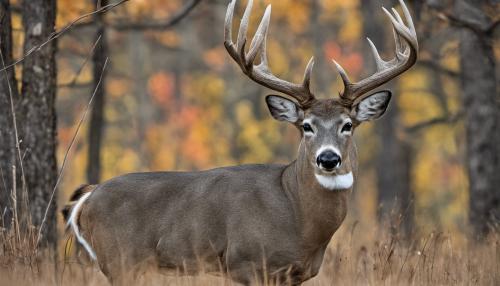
(336, 182)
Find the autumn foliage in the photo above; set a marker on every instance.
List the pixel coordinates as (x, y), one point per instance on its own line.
(176, 101)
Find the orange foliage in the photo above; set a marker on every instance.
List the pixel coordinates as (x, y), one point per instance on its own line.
(192, 136)
(116, 87)
(138, 9)
(64, 135)
(161, 87)
(215, 58)
(195, 149)
(167, 38)
(187, 116)
(351, 62)
(71, 10)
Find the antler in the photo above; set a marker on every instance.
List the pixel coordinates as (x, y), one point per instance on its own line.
(406, 56)
(261, 73)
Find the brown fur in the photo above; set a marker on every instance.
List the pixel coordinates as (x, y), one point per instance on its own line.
(250, 221)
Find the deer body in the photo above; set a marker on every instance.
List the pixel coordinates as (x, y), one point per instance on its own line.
(257, 223)
(227, 219)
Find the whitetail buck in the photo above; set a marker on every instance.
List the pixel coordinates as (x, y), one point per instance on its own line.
(256, 223)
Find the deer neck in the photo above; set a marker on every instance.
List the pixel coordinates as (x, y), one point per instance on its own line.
(320, 209)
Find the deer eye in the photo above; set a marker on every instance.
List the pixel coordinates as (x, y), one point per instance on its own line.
(307, 128)
(347, 127)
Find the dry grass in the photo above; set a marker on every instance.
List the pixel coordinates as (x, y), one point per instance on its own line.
(355, 257)
(435, 259)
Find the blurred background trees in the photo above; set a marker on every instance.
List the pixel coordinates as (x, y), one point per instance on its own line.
(97, 122)
(394, 194)
(476, 22)
(482, 115)
(171, 99)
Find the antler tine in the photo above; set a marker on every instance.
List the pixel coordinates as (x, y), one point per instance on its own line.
(242, 32)
(398, 42)
(406, 56)
(228, 38)
(306, 82)
(378, 60)
(408, 19)
(261, 73)
(258, 41)
(343, 74)
(398, 17)
(408, 33)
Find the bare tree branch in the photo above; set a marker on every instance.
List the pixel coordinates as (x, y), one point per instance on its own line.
(123, 25)
(465, 15)
(72, 82)
(75, 85)
(445, 119)
(60, 32)
(493, 26)
(439, 68)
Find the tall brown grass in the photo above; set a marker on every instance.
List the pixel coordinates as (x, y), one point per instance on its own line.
(356, 256)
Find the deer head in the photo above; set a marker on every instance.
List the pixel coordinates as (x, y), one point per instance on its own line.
(326, 125)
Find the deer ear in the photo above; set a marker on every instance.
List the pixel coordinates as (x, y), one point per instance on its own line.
(283, 109)
(372, 106)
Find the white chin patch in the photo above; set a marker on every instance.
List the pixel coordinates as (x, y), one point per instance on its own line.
(336, 182)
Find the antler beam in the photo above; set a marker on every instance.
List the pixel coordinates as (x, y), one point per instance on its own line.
(406, 56)
(261, 73)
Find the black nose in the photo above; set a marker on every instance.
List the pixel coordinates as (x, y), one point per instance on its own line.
(328, 160)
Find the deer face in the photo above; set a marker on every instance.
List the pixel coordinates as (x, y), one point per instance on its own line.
(327, 126)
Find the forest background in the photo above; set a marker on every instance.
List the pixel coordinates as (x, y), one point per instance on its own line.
(162, 94)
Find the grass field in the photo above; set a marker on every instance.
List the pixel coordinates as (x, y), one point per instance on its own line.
(355, 257)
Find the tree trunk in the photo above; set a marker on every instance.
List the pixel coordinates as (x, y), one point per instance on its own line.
(140, 58)
(37, 107)
(477, 63)
(393, 173)
(97, 116)
(393, 158)
(8, 155)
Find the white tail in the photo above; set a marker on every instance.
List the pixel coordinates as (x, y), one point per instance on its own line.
(73, 221)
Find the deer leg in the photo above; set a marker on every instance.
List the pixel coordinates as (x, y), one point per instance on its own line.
(117, 272)
(290, 276)
(245, 273)
(116, 263)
